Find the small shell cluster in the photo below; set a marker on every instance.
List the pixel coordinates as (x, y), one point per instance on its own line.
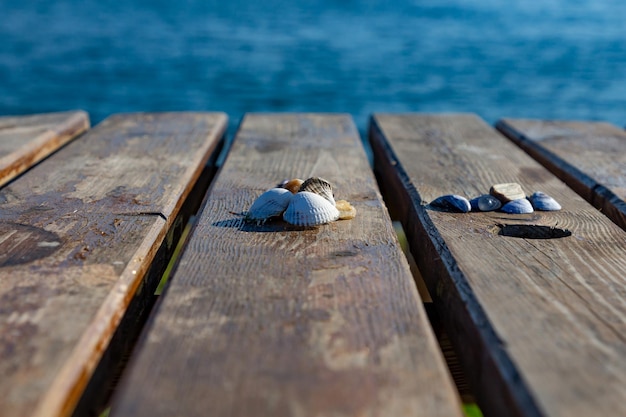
(301, 203)
(507, 197)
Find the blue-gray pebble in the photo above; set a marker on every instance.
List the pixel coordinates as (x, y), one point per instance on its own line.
(485, 202)
(520, 206)
(542, 201)
(452, 202)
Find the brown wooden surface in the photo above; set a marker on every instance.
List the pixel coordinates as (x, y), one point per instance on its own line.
(77, 234)
(589, 157)
(272, 320)
(25, 140)
(538, 323)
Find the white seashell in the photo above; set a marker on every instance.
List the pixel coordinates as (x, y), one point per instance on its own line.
(319, 186)
(542, 201)
(485, 202)
(452, 202)
(310, 209)
(271, 203)
(519, 206)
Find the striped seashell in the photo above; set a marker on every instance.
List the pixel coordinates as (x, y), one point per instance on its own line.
(542, 201)
(485, 202)
(452, 202)
(519, 206)
(271, 203)
(310, 209)
(319, 186)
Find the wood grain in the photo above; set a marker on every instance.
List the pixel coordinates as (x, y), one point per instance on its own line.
(589, 156)
(78, 234)
(26, 140)
(275, 320)
(538, 323)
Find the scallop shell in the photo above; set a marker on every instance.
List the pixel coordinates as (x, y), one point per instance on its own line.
(542, 201)
(452, 202)
(346, 211)
(319, 186)
(271, 203)
(519, 206)
(310, 209)
(485, 202)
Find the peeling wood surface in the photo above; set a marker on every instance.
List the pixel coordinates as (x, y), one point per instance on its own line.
(589, 156)
(77, 234)
(273, 320)
(539, 323)
(26, 140)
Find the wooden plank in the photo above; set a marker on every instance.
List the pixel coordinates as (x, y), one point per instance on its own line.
(589, 157)
(538, 323)
(26, 140)
(77, 236)
(272, 320)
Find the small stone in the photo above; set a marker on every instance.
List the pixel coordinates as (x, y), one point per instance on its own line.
(507, 192)
(485, 202)
(452, 202)
(346, 211)
(519, 206)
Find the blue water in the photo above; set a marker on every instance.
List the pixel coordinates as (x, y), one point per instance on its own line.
(540, 59)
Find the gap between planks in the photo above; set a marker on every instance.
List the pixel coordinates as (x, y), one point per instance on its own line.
(26, 140)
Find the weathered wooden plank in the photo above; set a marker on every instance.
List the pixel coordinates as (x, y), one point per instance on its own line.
(538, 323)
(97, 394)
(26, 140)
(589, 157)
(78, 234)
(272, 320)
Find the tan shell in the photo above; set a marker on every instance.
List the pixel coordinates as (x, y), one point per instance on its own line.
(292, 185)
(310, 209)
(346, 211)
(319, 186)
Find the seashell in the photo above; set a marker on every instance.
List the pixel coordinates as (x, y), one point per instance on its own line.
(292, 185)
(271, 203)
(452, 202)
(346, 211)
(319, 186)
(507, 192)
(519, 206)
(542, 201)
(485, 202)
(310, 209)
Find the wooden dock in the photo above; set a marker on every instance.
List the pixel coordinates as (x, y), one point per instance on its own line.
(270, 319)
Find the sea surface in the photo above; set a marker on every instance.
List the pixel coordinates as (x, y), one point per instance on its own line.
(551, 59)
